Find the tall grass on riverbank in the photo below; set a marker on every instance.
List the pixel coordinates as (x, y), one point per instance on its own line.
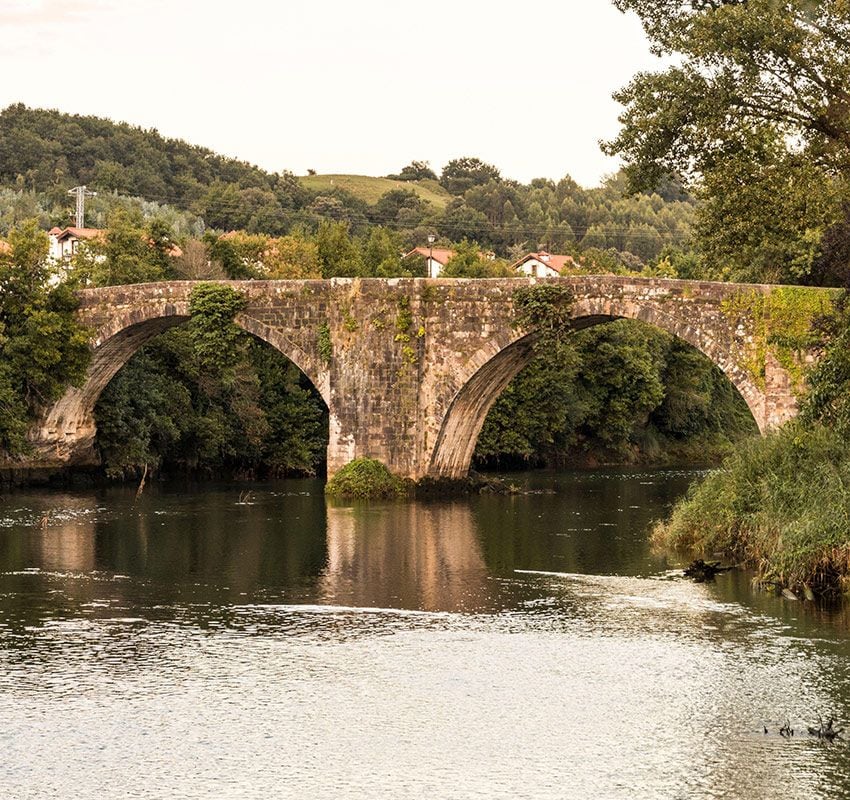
(780, 505)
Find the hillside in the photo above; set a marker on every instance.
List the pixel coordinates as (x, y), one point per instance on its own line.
(370, 189)
(40, 148)
(43, 153)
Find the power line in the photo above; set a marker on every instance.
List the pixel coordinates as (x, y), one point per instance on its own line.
(81, 193)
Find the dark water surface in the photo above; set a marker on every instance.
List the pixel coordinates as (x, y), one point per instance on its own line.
(192, 645)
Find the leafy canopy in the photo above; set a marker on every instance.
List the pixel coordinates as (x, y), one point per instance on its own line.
(755, 109)
(43, 349)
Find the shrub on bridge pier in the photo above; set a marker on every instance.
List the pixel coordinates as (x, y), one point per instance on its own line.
(366, 479)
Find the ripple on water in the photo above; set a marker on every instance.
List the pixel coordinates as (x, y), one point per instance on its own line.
(427, 652)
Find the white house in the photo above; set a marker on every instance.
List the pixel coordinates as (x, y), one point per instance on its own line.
(544, 265)
(64, 243)
(436, 259)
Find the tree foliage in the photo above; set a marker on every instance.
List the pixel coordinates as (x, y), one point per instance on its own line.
(416, 171)
(165, 410)
(461, 174)
(618, 392)
(828, 398)
(43, 349)
(469, 262)
(755, 112)
(209, 195)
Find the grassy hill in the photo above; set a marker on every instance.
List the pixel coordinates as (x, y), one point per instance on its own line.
(370, 189)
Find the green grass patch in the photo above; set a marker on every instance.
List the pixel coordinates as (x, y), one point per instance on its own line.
(365, 479)
(780, 506)
(371, 189)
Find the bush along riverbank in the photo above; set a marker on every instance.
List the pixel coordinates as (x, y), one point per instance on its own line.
(781, 504)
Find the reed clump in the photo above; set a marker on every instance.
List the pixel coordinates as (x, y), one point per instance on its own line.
(780, 506)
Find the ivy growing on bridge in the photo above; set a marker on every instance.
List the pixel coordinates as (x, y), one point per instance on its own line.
(547, 310)
(326, 347)
(214, 335)
(783, 323)
(403, 324)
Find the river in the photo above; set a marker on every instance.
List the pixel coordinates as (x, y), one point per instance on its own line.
(210, 642)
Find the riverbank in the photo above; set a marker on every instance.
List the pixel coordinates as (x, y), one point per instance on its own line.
(698, 452)
(780, 506)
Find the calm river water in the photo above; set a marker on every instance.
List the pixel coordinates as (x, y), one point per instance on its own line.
(198, 644)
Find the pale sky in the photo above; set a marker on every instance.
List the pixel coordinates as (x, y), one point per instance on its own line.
(337, 86)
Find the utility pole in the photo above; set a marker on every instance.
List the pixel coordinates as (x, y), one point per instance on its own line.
(81, 193)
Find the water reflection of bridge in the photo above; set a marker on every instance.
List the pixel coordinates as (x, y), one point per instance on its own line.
(414, 555)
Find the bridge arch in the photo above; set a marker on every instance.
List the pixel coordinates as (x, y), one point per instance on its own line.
(498, 362)
(69, 425)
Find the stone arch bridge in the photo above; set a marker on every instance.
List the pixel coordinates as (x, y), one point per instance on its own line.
(414, 365)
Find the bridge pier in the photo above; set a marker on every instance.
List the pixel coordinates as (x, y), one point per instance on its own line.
(409, 368)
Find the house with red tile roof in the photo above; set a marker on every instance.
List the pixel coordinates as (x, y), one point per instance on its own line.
(436, 259)
(65, 242)
(544, 265)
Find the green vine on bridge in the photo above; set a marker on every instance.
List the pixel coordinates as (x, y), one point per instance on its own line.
(547, 310)
(403, 324)
(783, 323)
(325, 345)
(214, 335)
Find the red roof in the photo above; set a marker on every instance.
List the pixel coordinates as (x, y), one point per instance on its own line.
(82, 233)
(440, 254)
(551, 260)
(99, 234)
(78, 233)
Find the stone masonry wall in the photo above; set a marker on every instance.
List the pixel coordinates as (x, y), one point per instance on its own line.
(416, 364)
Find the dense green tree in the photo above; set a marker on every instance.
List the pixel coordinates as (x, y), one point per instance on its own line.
(382, 250)
(755, 113)
(617, 392)
(469, 262)
(398, 207)
(461, 174)
(339, 256)
(416, 171)
(42, 348)
(48, 147)
(129, 252)
(208, 398)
